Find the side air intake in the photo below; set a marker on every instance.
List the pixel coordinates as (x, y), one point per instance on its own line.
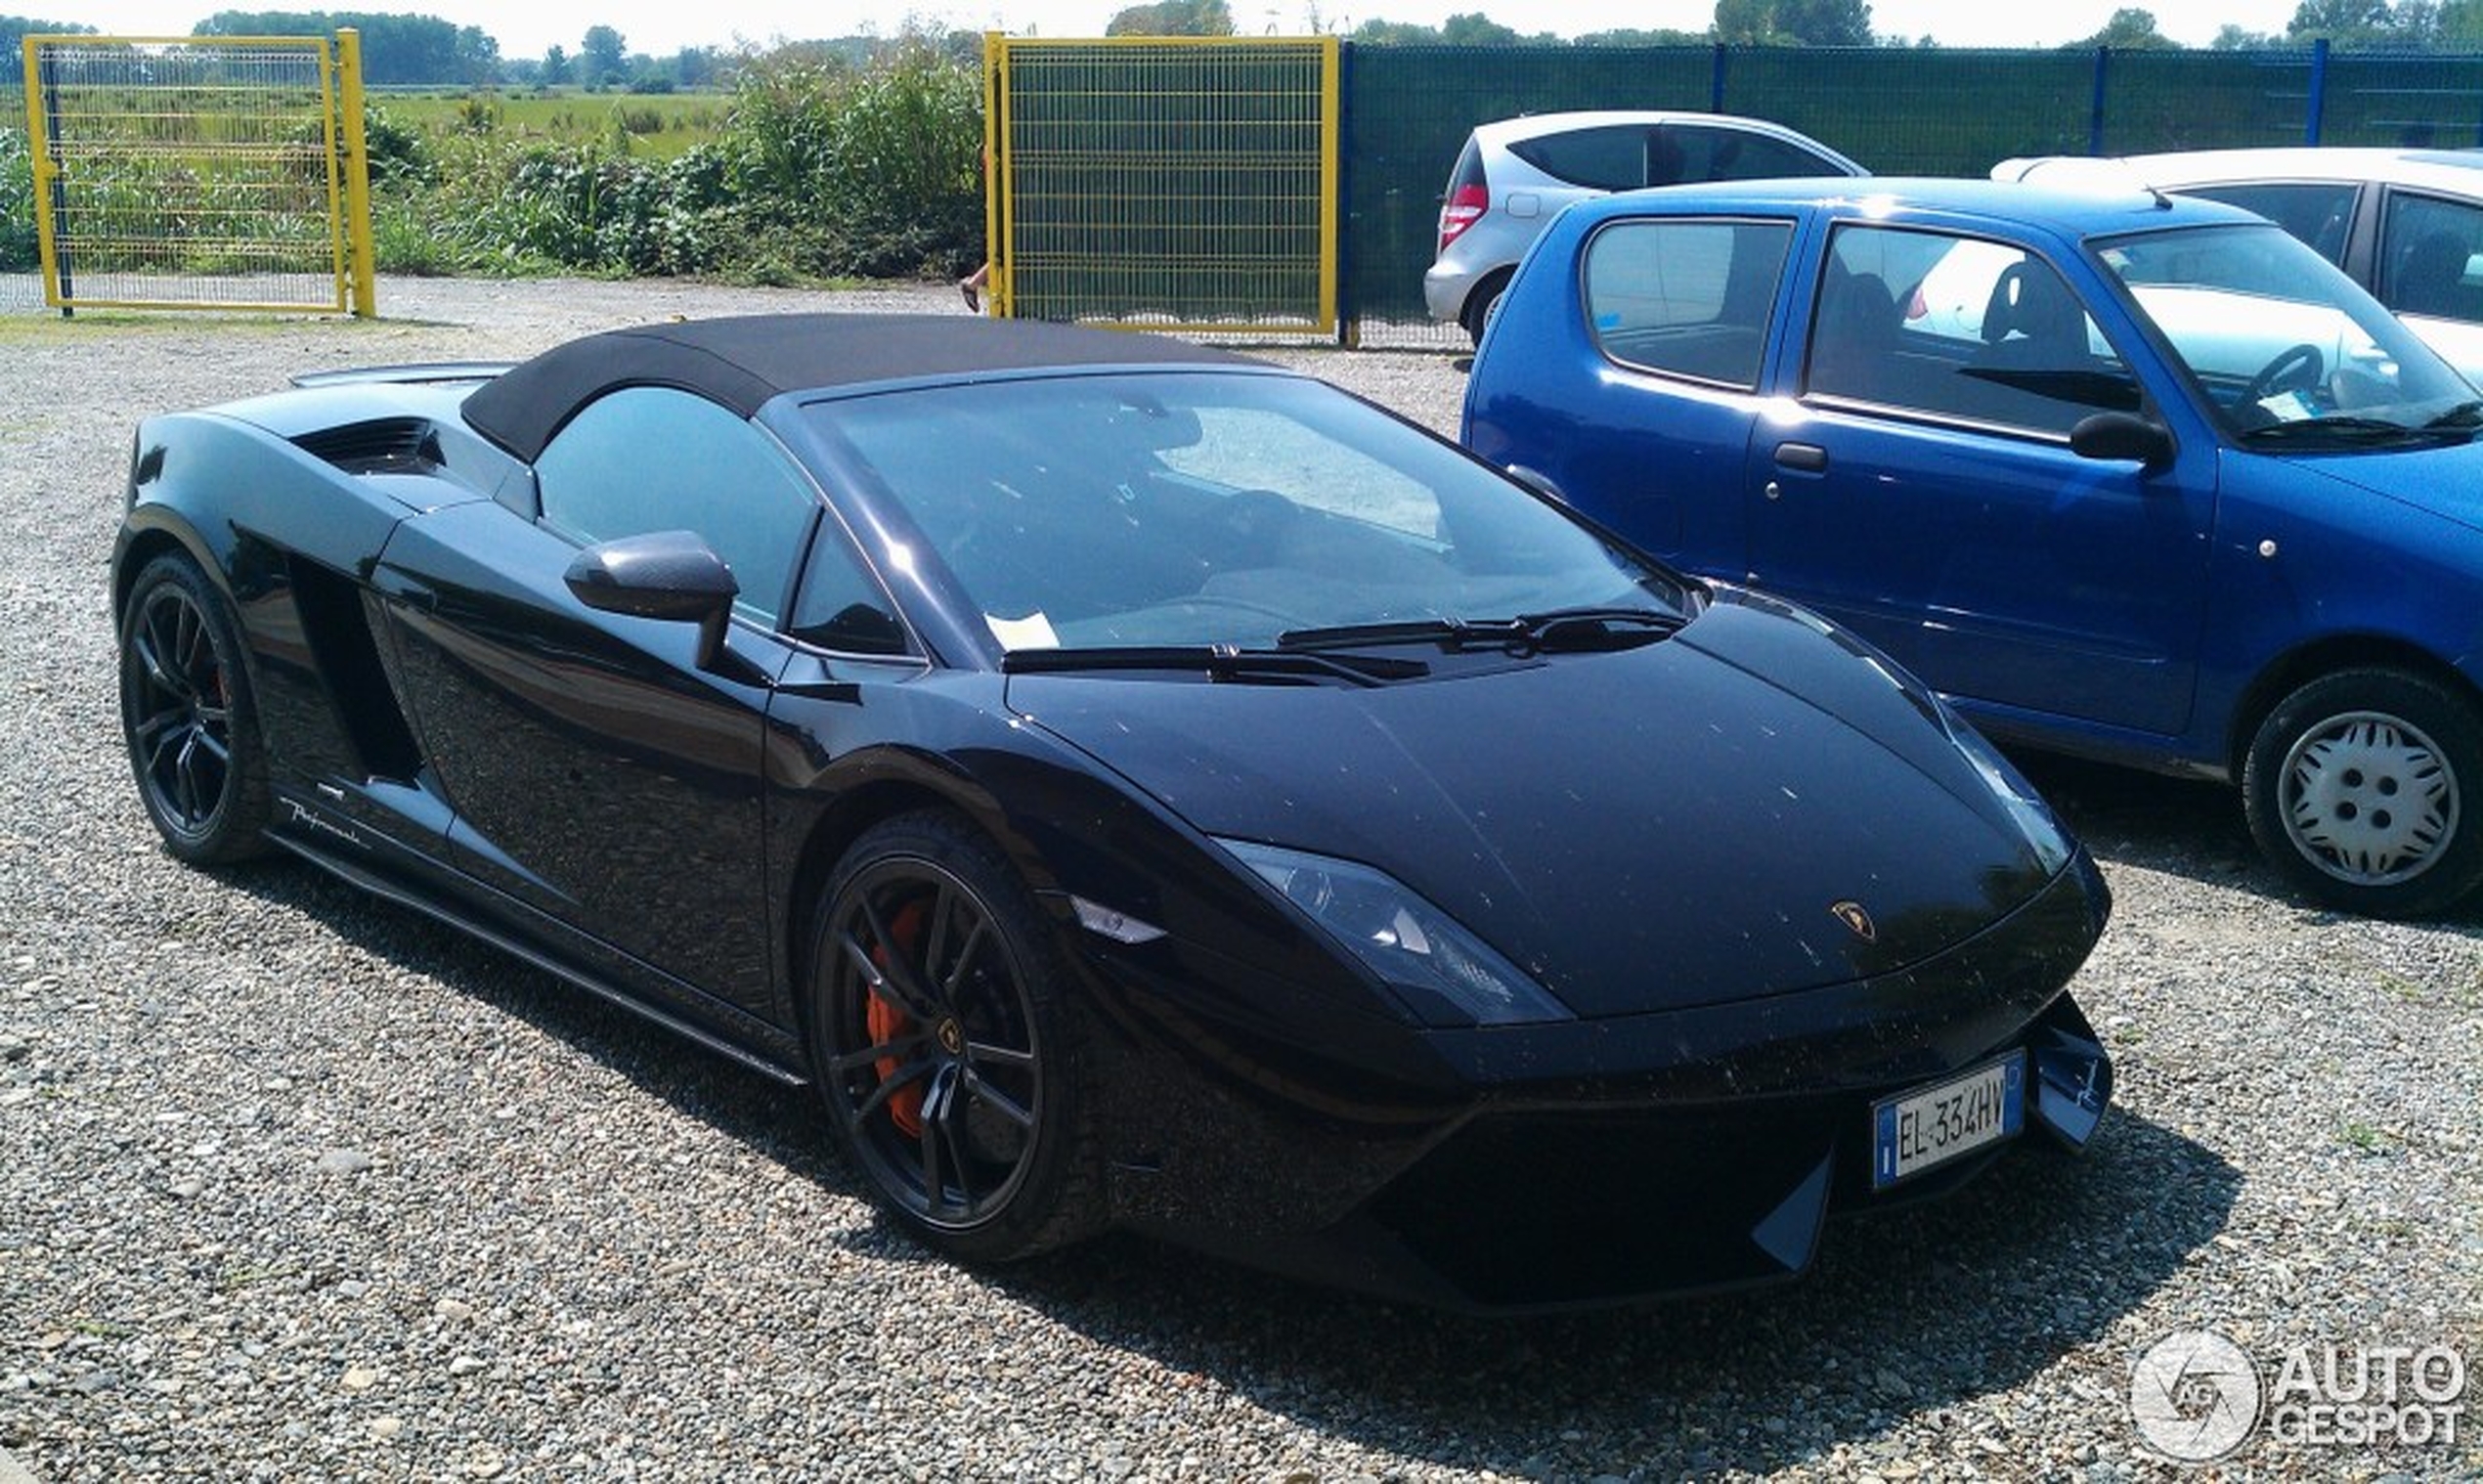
(382, 446)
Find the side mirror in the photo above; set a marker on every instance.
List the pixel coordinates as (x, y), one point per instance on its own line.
(661, 575)
(2122, 435)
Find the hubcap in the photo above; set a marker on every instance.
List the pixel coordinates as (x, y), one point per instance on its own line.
(180, 711)
(2368, 798)
(932, 1062)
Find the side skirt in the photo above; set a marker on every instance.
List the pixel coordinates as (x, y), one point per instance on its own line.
(381, 886)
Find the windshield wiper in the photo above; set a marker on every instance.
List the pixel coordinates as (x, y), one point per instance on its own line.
(2465, 415)
(1221, 662)
(1561, 631)
(2339, 429)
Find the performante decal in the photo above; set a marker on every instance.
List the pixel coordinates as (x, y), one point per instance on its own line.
(304, 815)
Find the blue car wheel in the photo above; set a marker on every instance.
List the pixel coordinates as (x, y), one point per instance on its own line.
(2361, 787)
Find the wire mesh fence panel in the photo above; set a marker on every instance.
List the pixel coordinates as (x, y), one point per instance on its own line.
(188, 174)
(2417, 102)
(2156, 101)
(1900, 110)
(1168, 183)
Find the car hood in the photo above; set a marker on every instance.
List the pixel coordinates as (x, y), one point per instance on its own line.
(2444, 481)
(1688, 822)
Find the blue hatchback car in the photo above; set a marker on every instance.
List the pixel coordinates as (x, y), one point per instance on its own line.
(2124, 475)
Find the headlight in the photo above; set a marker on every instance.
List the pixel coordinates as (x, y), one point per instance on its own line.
(1446, 975)
(2034, 817)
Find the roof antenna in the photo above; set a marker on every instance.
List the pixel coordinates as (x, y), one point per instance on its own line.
(2163, 203)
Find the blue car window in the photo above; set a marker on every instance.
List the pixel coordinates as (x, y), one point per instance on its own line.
(1959, 328)
(2431, 249)
(650, 459)
(1688, 297)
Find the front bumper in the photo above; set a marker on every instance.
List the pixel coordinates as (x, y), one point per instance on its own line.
(1604, 1161)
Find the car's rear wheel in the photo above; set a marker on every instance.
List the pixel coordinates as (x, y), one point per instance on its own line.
(943, 1050)
(189, 719)
(2361, 787)
(1478, 305)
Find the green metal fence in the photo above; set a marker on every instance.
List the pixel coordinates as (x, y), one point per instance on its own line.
(1898, 111)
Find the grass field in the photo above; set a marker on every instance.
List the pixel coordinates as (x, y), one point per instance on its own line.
(656, 125)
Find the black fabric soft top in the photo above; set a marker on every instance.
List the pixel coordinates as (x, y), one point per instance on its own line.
(742, 362)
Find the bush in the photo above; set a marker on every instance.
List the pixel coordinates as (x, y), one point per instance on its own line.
(20, 249)
(822, 170)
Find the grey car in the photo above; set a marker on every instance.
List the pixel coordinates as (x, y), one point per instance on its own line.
(1514, 175)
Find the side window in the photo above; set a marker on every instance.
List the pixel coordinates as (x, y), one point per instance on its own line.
(1959, 327)
(1704, 152)
(840, 606)
(1687, 297)
(2431, 254)
(2319, 212)
(1613, 158)
(651, 459)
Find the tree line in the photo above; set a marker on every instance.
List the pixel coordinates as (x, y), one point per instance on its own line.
(2415, 26)
(415, 50)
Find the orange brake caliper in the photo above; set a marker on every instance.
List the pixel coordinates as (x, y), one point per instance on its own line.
(887, 1023)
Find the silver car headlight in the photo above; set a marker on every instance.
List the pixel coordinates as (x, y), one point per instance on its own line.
(1446, 975)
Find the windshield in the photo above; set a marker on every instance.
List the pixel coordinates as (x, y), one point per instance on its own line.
(1216, 508)
(2286, 347)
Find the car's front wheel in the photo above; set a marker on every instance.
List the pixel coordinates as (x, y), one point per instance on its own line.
(946, 1057)
(189, 719)
(2361, 785)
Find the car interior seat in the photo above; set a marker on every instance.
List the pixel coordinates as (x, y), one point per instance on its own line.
(2431, 279)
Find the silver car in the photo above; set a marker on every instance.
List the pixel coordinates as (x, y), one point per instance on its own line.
(2405, 224)
(1514, 176)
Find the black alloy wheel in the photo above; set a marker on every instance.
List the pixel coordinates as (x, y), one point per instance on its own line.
(188, 717)
(942, 1052)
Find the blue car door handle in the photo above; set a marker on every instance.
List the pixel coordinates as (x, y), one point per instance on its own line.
(1802, 458)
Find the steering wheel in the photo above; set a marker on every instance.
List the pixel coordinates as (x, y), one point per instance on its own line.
(2295, 368)
(1254, 521)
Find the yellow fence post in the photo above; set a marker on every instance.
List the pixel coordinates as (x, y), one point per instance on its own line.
(46, 174)
(996, 190)
(357, 159)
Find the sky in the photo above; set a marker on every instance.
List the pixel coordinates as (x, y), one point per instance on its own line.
(659, 27)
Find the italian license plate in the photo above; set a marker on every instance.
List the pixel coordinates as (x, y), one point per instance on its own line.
(1919, 1130)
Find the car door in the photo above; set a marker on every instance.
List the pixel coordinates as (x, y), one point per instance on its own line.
(2430, 270)
(1680, 310)
(599, 774)
(1922, 489)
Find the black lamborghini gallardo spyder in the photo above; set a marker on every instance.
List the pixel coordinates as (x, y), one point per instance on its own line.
(1137, 786)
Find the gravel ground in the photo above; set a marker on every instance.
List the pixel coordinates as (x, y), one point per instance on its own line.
(294, 1185)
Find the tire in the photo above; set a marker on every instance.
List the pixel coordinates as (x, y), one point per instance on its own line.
(189, 718)
(943, 1050)
(2362, 788)
(1478, 307)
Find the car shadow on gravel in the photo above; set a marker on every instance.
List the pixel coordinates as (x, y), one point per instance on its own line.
(773, 1119)
(1932, 1306)
(1924, 1307)
(2179, 826)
